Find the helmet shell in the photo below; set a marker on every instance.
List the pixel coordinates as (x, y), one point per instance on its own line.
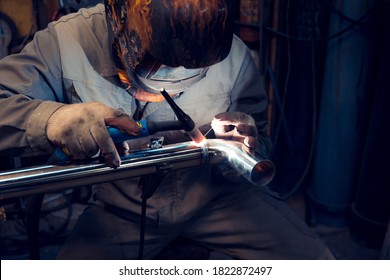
(188, 33)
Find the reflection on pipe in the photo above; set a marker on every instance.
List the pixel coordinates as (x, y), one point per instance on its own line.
(49, 178)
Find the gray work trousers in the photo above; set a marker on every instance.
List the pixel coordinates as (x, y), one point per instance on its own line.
(244, 224)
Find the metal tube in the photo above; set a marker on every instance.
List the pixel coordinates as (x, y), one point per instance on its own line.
(50, 178)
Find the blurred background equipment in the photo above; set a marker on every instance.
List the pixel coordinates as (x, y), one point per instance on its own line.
(17, 25)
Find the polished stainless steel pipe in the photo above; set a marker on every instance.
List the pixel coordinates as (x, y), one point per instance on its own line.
(50, 178)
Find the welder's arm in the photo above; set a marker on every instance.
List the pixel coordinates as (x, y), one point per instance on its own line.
(248, 96)
(30, 91)
(244, 120)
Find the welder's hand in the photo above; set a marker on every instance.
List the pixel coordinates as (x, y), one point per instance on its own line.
(236, 126)
(81, 130)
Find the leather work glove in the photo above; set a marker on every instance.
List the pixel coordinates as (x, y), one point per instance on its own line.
(239, 127)
(236, 126)
(81, 130)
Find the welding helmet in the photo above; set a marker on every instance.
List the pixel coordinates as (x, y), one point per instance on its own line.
(168, 43)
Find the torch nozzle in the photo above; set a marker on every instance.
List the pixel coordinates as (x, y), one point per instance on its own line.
(186, 121)
(196, 135)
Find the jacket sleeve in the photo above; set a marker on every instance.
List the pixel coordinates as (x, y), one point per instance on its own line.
(248, 96)
(30, 91)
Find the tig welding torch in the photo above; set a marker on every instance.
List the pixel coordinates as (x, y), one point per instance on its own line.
(188, 124)
(147, 128)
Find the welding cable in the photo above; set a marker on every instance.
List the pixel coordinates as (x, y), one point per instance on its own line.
(142, 225)
(149, 185)
(310, 156)
(282, 104)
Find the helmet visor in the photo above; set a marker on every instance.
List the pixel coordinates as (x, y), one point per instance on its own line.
(154, 76)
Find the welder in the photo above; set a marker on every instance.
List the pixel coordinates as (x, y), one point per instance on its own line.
(105, 67)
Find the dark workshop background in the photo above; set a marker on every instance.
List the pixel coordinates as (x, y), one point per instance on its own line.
(325, 66)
